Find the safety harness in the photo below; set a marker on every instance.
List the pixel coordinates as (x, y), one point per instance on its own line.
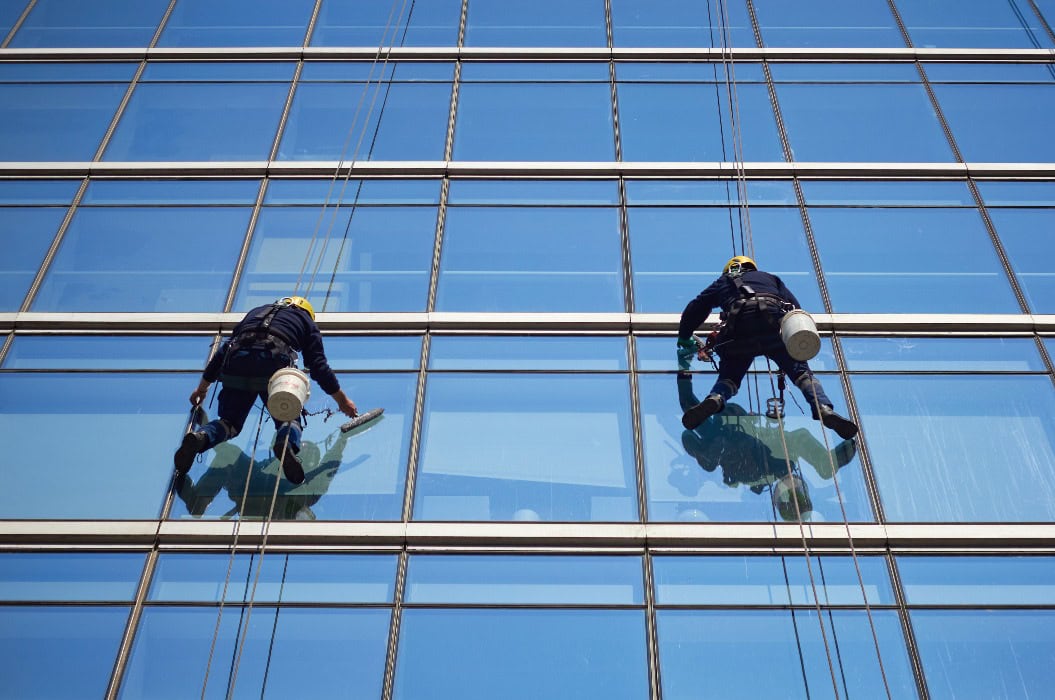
(260, 337)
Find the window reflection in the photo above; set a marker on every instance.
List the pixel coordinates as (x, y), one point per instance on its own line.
(238, 23)
(527, 353)
(1005, 123)
(72, 23)
(539, 23)
(66, 576)
(1026, 235)
(108, 352)
(1004, 580)
(948, 23)
(433, 23)
(26, 234)
(828, 23)
(656, 354)
(679, 23)
(920, 354)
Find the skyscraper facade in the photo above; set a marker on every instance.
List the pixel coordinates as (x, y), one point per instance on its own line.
(499, 210)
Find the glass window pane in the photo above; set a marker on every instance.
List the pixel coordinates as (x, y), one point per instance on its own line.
(372, 258)
(540, 23)
(373, 352)
(59, 652)
(986, 653)
(942, 355)
(59, 122)
(62, 23)
(789, 646)
(758, 580)
(527, 353)
(69, 576)
(287, 652)
(828, 23)
(514, 654)
(525, 580)
(531, 259)
(1030, 245)
(887, 194)
(132, 192)
(998, 25)
(71, 426)
(212, 72)
(1004, 580)
(340, 191)
(1047, 8)
(26, 234)
(108, 352)
(1015, 194)
(62, 72)
(938, 72)
(656, 354)
(534, 192)
(709, 193)
(369, 120)
(863, 254)
(680, 23)
(358, 475)
(699, 130)
(734, 467)
(286, 578)
(861, 122)
(666, 278)
(433, 23)
(208, 23)
(37, 192)
(544, 121)
(477, 464)
(145, 259)
(941, 454)
(999, 123)
(10, 11)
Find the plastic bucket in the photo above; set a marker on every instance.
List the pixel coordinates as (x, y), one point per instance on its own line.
(287, 390)
(799, 333)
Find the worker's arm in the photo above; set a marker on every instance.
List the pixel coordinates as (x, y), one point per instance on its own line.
(786, 293)
(345, 404)
(697, 310)
(211, 374)
(198, 395)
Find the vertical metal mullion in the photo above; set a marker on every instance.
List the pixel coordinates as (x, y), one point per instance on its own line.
(394, 626)
(415, 431)
(18, 24)
(638, 439)
(915, 660)
(243, 254)
(309, 33)
(1043, 20)
(286, 108)
(132, 624)
(161, 25)
(5, 346)
(42, 271)
(651, 629)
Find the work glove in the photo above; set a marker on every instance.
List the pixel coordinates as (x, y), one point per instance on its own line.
(687, 349)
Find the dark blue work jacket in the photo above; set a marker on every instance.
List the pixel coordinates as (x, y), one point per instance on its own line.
(722, 293)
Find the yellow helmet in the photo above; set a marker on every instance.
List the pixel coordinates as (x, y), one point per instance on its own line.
(740, 263)
(301, 302)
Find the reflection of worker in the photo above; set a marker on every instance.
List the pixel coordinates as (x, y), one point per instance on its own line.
(750, 451)
(266, 340)
(752, 303)
(231, 467)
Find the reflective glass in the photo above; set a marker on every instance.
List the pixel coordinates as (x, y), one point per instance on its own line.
(1030, 245)
(479, 462)
(59, 652)
(668, 273)
(544, 121)
(433, 23)
(90, 445)
(285, 578)
(399, 119)
(909, 354)
(345, 192)
(238, 23)
(769, 580)
(287, 652)
(863, 255)
(699, 130)
(55, 122)
(1047, 8)
(1000, 123)
(709, 192)
(1015, 194)
(61, 72)
(358, 475)
(531, 259)
(861, 122)
(828, 23)
(680, 23)
(170, 352)
(132, 192)
(69, 576)
(524, 580)
(534, 192)
(527, 353)
(199, 121)
(26, 234)
(782, 654)
(1049, 344)
(74, 23)
(941, 453)
(373, 352)
(37, 192)
(521, 654)
(1004, 580)
(538, 23)
(656, 354)
(10, 11)
(734, 466)
(372, 258)
(212, 72)
(845, 73)
(145, 259)
(887, 194)
(986, 653)
(938, 72)
(986, 25)
(536, 71)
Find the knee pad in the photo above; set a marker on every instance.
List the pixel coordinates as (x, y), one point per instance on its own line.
(230, 428)
(733, 386)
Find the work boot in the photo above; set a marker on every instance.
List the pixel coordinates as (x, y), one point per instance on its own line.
(702, 411)
(844, 427)
(291, 466)
(193, 445)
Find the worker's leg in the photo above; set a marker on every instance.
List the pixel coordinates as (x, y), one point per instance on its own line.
(287, 452)
(820, 405)
(234, 407)
(731, 371)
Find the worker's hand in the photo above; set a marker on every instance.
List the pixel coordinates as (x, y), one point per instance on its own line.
(344, 404)
(199, 394)
(687, 349)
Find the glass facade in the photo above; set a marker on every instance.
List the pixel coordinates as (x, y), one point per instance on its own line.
(499, 211)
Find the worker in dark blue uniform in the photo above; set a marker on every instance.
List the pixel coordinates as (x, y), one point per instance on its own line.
(265, 341)
(752, 303)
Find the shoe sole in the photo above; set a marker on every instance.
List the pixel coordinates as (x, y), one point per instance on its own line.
(699, 413)
(844, 427)
(292, 468)
(186, 453)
